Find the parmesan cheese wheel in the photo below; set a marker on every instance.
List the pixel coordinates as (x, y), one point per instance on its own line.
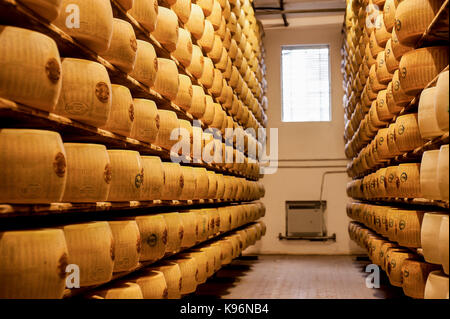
(190, 229)
(208, 74)
(382, 35)
(168, 123)
(428, 124)
(127, 244)
(122, 49)
(33, 264)
(126, 290)
(409, 180)
(428, 175)
(146, 123)
(172, 275)
(185, 138)
(91, 247)
(153, 234)
(220, 186)
(145, 12)
(429, 237)
(175, 232)
(188, 191)
(399, 48)
(121, 116)
(441, 104)
(436, 286)
(88, 173)
(400, 97)
(206, 41)
(391, 184)
(33, 166)
(166, 81)
(202, 264)
(173, 181)
(206, 6)
(189, 274)
(443, 244)
(407, 227)
(212, 181)
(127, 175)
(86, 92)
(407, 135)
(48, 9)
(185, 92)
(202, 225)
(202, 183)
(37, 82)
(389, 14)
(374, 47)
(382, 107)
(216, 52)
(146, 65)
(210, 259)
(153, 183)
(216, 15)
(442, 172)
(208, 116)
(418, 67)
(182, 8)
(166, 30)
(196, 22)
(152, 283)
(394, 265)
(391, 62)
(382, 72)
(414, 275)
(95, 25)
(197, 61)
(183, 52)
(198, 104)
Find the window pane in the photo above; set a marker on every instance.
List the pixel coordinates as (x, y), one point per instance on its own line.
(305, 83)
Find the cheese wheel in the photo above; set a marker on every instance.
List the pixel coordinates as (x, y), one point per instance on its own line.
(166, 30)
(183, 52)
(37, 82)
(33, 264)
(202, 264)
(429, 237)
(390, 179)
(185, 92)
(428, 175)
(399, 48)
(208, 116)
(374, 47)
(216, 52)
(418, 67)
(382, 35)
(152, 283)
(409, 180)
(441, 103)
(145, 12)
(153, 233)
(188, 191)
(222, 28)
(146, 123)
(382, 73)
(212, 181)
(172, 275)
(146, 65)
(185, 139)
(391, 62)
(89, 22)
(202, 183)
(33, 166)
(182, 8)
(428, 124)
(216, 15)
(189, 274)
(399, 96)
(382, 108)
(121, 116)
(168, 123)
(407, 135)
(122, 49)
(209, 257)
(197, 62)
(175, 232)
(127, 175)
(436, 286)
(208, 74)
(202, 225)
(127, 244)
(48, 9)
(91, 247)
(442, 172)
(220, 186)
(153, 183)
(206, 6)
(394, 265)
(166, 81)
(198, 105)
(389, 14)
(190, 229)
(173, 181)
(126, 290)
(196, 22)
(88, 173)
(443, 244)
(206, 41)
(86, 92)
(414, 275)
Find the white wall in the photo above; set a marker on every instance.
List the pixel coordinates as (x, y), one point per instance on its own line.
(306, 141)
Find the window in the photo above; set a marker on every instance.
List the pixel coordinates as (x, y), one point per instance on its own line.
(305, 83)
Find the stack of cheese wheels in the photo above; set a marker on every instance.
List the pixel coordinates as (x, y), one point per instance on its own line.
(127, 244)
(183, 52)
(146, 121)
(414, 275)
(145, 12)
(123, 290)
(122, 115)
(37, 82)
(146, 63)
(429, 237)
(213, 183)
(88, 173)
(166, 82)
(189, 274)
(409, 180)
(154, 236)
(443, 244)
(441, 103)
(152, 283)
(95, 25)
(197, 62)
(175, 232)
(190, 229)
(196, 21)
(168, 123)
(91, 247)
(48, 9)
(202, 264)
(86, 92)
(428, 124)
(418, 67)
(407, 134)
(34, 166)
(442, 172)
(166, 30)
(189, 184)
(44, 251)
(127, 175)
(174, 182)
(429, 185)
(173, 277)
(184, 94)
(201, 182)
(436, 286)
(123, 47)
(153, 183)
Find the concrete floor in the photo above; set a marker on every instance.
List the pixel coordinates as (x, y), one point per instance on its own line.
(296, 277)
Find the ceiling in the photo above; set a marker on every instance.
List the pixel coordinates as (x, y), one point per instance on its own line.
(318, 12)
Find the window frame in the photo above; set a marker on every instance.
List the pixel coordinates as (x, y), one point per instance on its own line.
(306, 46)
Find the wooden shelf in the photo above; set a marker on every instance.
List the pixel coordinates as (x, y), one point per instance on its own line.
(438, 30)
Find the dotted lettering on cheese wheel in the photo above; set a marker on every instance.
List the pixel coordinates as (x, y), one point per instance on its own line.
(59, 164)
(107, 174)
(152, 240)
(196, 275)
(166, 291)
(398, 25)
(111, 250)
(157, 121)
(404, 177)
(133, 43)
(406, 273)
(180, 283)
(403, 72)
(62, 264)
(102, 92)
(164, 237)
(181, 232)
(155, 64)
(131, 112)
(402, 224)
(53, 70)
(401, 129)
(138, 244)
(182, 181)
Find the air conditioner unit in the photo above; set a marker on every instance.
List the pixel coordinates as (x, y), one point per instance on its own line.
(305, 218)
